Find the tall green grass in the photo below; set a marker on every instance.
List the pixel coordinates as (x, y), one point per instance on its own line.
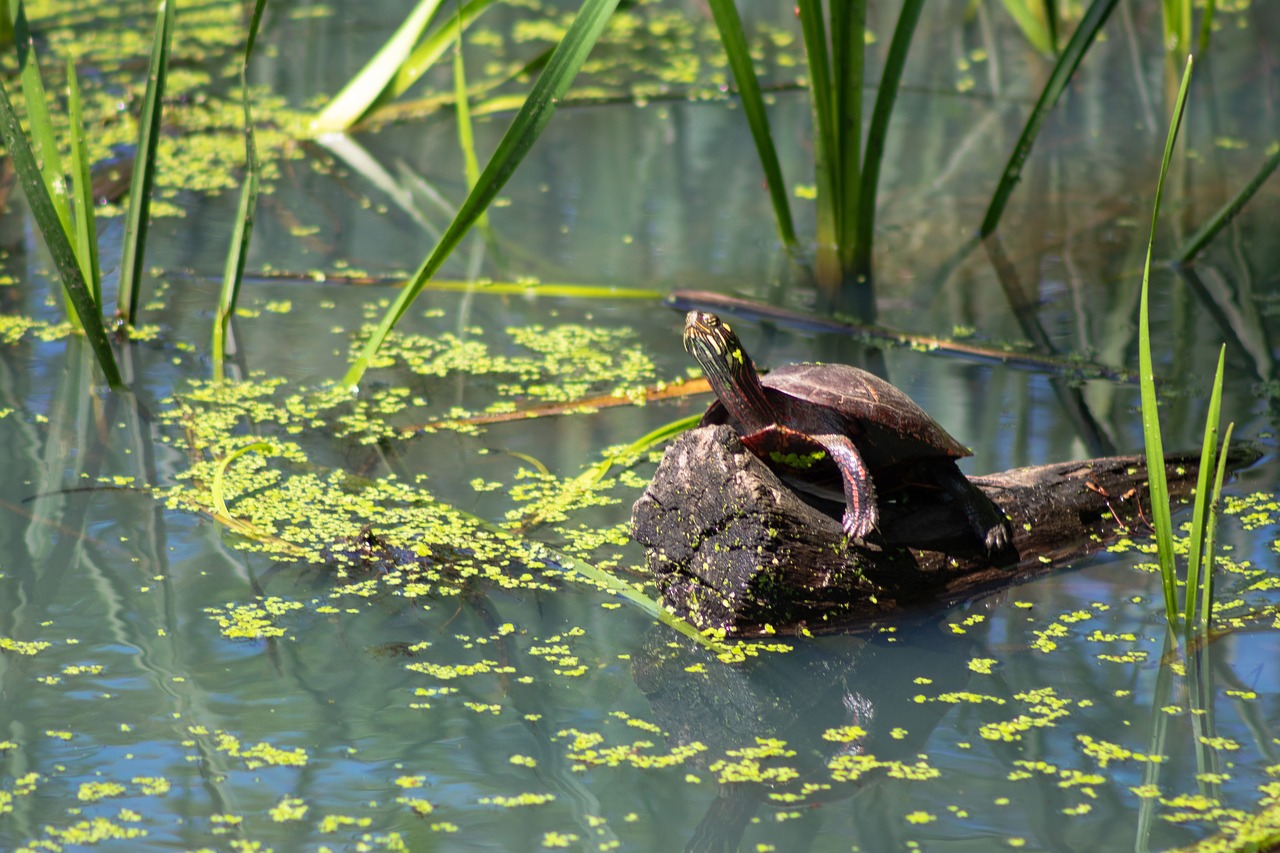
(729, 25)
(1197, 606)
(1088, 29)
(65, 214)
(238, 252)
(846, 167)
(43, 182)
(397, 65)
(1177, 17)
(525, 128)
(1038, 20)
(82, 202)
(44, 141)
(847, 161)
(138, 218)
(78, 293)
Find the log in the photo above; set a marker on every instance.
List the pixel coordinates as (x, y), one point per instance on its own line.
(733, 548)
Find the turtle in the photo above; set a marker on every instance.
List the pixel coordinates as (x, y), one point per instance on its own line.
(835, 431)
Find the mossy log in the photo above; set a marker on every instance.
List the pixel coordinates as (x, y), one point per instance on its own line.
(732, 547)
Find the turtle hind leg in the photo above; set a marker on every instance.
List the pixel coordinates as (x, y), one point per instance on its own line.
(986, 519)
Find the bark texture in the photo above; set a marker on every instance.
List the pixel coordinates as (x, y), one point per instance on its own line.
(732, 547)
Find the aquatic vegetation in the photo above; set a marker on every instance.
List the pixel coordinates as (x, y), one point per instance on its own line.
(419, 548)
(313, 634)
(1198, 609)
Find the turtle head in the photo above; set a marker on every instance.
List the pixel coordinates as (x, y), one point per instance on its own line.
(729, 369)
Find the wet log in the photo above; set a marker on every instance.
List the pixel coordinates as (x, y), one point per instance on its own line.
(731, 547)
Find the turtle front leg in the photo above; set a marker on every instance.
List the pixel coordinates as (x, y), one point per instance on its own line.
(861, 515)
(795, 455)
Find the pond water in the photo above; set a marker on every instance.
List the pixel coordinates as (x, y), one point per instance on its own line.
(175, 677)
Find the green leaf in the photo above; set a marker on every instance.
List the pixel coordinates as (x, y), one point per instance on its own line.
(1033, 28)
(44, 141)
(825, 166)
(729, 24)
(55, 237)
(466, 138)
(1203, 501)
(1206, 597)
(137, 222)
(1206, 26)
(848, 49)
(519, 138)
(886, 95)
(1227, 212)
(1051, 24)
(433, 46)
(364, 90)
(233, 270)
(82, 200)
(1160, 513)
(662, 434)
(1063, 69)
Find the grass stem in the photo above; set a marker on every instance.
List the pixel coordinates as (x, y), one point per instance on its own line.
(1160, 511)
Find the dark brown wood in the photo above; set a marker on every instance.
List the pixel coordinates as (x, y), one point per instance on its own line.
(731, 547)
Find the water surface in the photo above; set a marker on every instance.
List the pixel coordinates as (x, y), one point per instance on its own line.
(165, 683)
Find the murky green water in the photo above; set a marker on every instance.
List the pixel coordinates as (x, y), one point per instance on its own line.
(167, 681)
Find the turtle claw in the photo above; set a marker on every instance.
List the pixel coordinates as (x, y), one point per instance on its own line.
(990, 524)
(997, 538)
(858, 527)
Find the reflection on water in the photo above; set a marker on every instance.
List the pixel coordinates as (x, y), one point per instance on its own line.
(482, 715)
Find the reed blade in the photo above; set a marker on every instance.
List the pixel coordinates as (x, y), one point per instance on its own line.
(82, 201)
(525, 129)
(1211, 529)
(44, 140)
(238, 251)
(649, 440)
(55, 238)
(1227, 212)
(1160, 512)
(825, 171)
(1206, 26)
(848, 50)
(1203, 502)
(1034, 29)
(729, 25)
(368, 86)
(886, 96)
(1051, 23)
(138, 219)
(466, 138)
(433, 47)
(1063, 69)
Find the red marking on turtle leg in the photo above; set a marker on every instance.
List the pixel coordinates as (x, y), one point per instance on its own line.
(860, 512)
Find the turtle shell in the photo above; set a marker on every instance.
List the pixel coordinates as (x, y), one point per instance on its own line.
(884, 423)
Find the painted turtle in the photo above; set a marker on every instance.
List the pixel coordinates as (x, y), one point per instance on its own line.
(802, 417)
